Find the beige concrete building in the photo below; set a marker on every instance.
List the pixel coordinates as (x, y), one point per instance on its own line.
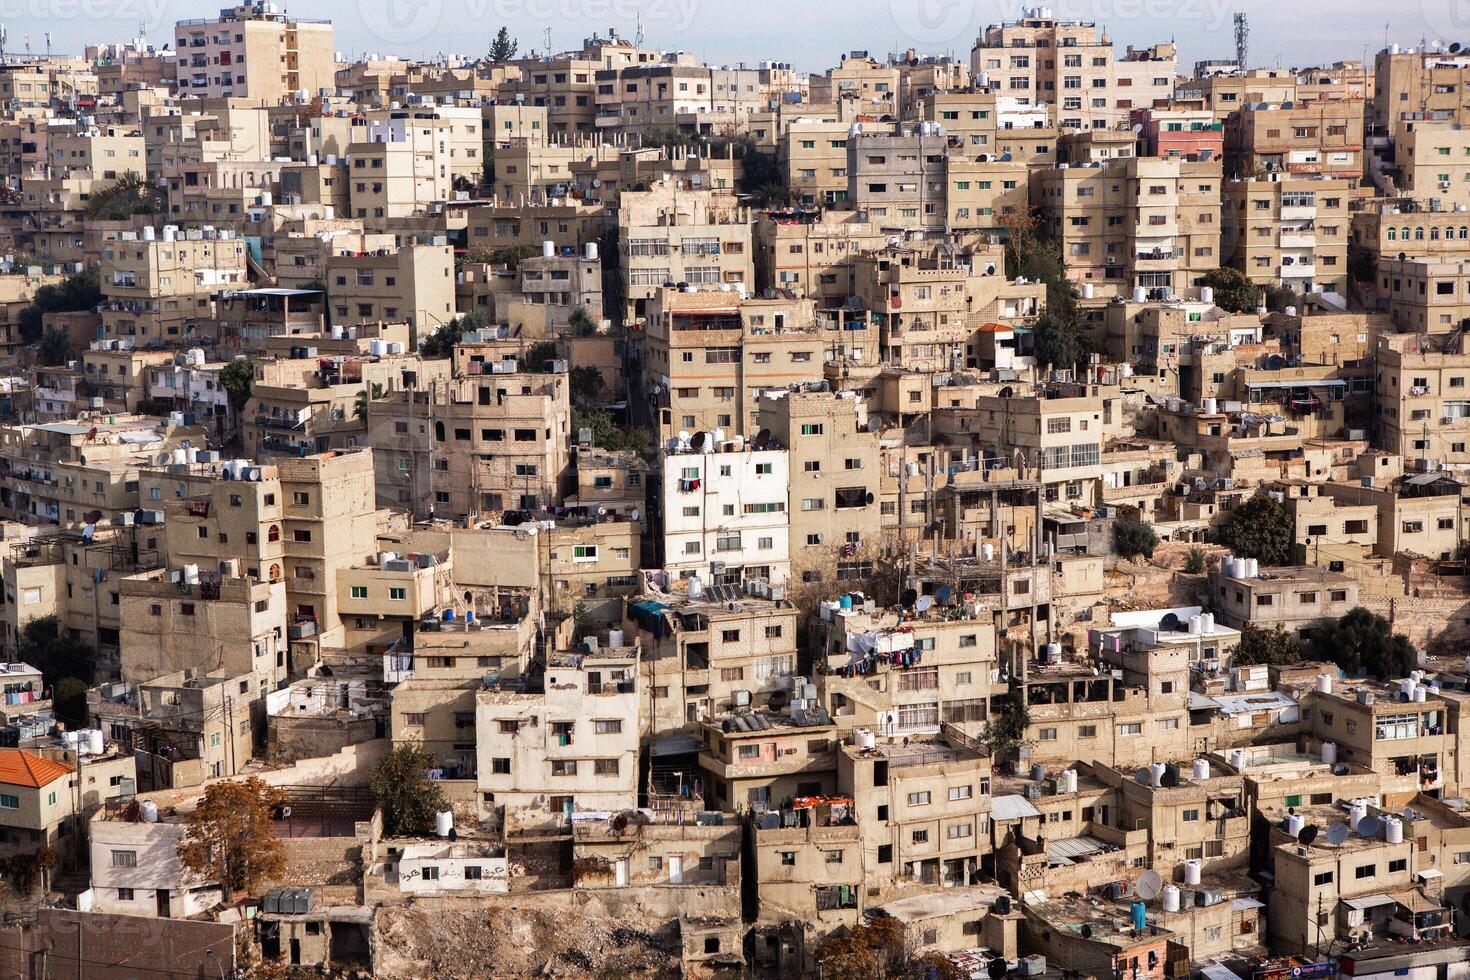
(1291, 230)
(160, 287)
(1150, 224)
(1070, 65)
(668, 236)
(253, 51)
(1322, 137)
(413, 283)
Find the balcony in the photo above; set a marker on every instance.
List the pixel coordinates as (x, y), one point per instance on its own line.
(1299, 239)
(1298, 271)
(1298, 212)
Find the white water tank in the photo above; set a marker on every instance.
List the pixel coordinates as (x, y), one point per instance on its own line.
(1069, 780)
(149, 810)
(589, 251)
(987, 553)
(867, 739)
(1156, 774)
(1393, 830)
(1087, 290)
(1294, 823)
(95, 741)
(696, 588)
(1201, 768)
(1207, 294)
(1324, 683)
(1140, 295)
(548, 250)
(191, 574)
(1357, 810)
(1329, 752)
(1194, 625)
(1252, 568)
(1171, 898)
(1192, 872)
(1053, 653)
(614, 638)
(1207, 623)
(1237, 758)
(1212, 406)
(443, 822)
(1289, 310)
(1421, 693)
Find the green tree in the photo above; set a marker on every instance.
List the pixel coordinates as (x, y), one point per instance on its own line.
(130, 194)
(1278, 297)
(231, 838)
(608, 434)
(55, 346)
(1194, 561)
(360, 407)
(581, 322)
(1008, 728)
(407, 796)
(69, 699)
(237, 378)
(1266, 646)
(1261, 528)
(55, 654)
(504, 47)
(1056, 342)
(539, 356)
(78, 292)
(440, 344)
(1131, 536)
(587, 384)
(1363, 641)
(1233, 291)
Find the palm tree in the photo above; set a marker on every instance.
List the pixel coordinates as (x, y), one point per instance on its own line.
(359, 410)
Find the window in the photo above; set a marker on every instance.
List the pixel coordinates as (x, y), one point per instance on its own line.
(124, 894)
(1322, 878)
(961, 792)
(1402, 864)
(1131, 728)
(359, 592)
(431, 872)
(1366, 871)
(607, 726)
(960, 830)
(124, 859)
(921, 798)
(605, 767)
(1190, 815)
(921, 837)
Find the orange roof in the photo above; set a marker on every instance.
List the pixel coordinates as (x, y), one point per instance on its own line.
(20, 768)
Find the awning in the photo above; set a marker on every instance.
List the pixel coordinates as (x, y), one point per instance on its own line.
(1245, 904)
(1430, 874)
(1333, 383)
(1368, 902)
(1012, 807)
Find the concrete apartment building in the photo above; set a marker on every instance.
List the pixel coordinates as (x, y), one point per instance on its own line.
(710, 353)
(1070, 65)
(136, 868)
(899, 179)
(575, 748)
(1222, 95)
(725, 512)
(1432, 162)
(835, 462)
(813, 254)
(397, 167)
(1414, 84)
(161, 287)
(1292, 230)
(1143, 223)
(565, 83)
(705, 657)
(1319, 137)
(1293, 598)
(1424, 295)
(670, 235)
(1423, 410)
(413, 283)
(858, 78)
(38, 803)
(253, 51)
(812, 155)
(479, 444)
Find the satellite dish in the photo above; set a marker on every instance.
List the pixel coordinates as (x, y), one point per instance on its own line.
(1138, 127)
(633, 514)
(1086, 931)
(697, 441)
(1150, 883)
(762, 439)
(1307, 835)
(924, 603)
(1336, 834)
(908, 598)
(1368, 826)
(997, 967)
(1403, 255)
(1454, 47)
(1169, 623)
(1144, 776)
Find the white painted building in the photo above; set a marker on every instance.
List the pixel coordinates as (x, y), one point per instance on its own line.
(725, 512)
(136, 868)
(445, 868)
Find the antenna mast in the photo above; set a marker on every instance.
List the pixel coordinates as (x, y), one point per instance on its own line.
(1242, 41)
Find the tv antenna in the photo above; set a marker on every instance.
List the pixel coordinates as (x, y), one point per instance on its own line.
(1242, 40)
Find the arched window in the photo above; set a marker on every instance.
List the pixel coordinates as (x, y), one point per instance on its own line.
(274, 533)
(1418, 234)
(1434, 234)
(1393, 234)
(439, 431)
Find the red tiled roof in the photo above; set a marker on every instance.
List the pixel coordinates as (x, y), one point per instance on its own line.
(21, 768)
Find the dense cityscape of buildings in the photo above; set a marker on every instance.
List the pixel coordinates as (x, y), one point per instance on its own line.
(598, 513)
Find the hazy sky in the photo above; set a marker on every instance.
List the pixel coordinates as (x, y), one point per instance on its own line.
(809, 34)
